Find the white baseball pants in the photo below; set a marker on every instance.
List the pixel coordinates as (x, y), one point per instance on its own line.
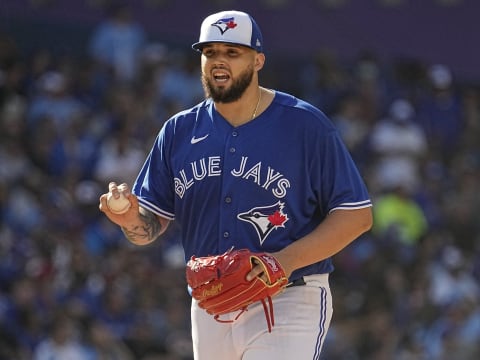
(302, 318)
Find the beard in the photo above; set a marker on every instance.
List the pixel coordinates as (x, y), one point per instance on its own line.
(227, 95)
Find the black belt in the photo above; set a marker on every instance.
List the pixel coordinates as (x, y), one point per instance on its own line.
(297, 282)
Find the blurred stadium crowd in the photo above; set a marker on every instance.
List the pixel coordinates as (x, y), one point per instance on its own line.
(72, 287)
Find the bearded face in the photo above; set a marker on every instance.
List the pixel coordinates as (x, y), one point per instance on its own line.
(223, 94)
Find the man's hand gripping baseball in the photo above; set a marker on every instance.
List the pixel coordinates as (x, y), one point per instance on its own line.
(139, 225)
(116, 191)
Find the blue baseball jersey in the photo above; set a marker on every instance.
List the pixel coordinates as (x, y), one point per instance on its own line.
(261, 185)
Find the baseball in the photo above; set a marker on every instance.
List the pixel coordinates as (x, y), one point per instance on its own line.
(118, 206)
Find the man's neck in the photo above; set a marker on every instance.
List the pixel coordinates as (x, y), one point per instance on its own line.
(245, 109)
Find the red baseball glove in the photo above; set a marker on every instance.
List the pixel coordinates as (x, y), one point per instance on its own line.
(220, 286)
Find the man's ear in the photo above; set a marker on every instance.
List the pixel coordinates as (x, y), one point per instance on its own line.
(259, 61)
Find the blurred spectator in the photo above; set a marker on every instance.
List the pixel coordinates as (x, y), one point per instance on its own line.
(23, 209)
(47, 148)
(12, 117)
(370, 83)
(323, 80)
(101, 344)
(400, 223)
(14, 158)
(54, 100)
(349, 119)
(120, 158)
(22, 317)
(178, 84)
(471, 111)
(155, 108)
(116, 43)
(39, 63)
(400, 146)
(62, 341)
(440, 112)
(462, 203)
(451, 281)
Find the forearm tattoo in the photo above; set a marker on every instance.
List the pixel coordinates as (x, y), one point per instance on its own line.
(145, 233)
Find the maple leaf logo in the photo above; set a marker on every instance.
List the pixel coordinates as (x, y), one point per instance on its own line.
(277, 219)
(231, 24)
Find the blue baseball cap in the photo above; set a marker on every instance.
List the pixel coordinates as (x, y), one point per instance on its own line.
(233, 27)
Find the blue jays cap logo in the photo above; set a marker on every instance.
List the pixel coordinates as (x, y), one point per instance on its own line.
(265, 219)
(224, 24)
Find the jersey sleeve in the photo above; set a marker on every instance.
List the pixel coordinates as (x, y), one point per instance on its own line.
(153, 186)
(341, 185)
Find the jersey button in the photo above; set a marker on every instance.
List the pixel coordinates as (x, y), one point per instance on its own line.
(234, 133)
(232, 150)
(226, 234)
(228, 199)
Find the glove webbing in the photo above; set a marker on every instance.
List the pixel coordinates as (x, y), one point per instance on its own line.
(267, 308)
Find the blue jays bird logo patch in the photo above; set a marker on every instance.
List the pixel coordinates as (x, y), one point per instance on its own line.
(224, 24)
(265, 219)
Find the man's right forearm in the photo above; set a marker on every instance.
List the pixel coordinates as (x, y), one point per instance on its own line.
(146, 230)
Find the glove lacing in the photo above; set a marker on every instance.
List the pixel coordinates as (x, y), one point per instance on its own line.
(267, 308)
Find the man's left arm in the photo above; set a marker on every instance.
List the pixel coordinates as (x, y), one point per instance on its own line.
(338, 230)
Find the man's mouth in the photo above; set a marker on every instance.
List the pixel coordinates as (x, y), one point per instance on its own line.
(220, 76)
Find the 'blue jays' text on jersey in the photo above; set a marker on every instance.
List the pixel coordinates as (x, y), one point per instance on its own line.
(260, 186)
